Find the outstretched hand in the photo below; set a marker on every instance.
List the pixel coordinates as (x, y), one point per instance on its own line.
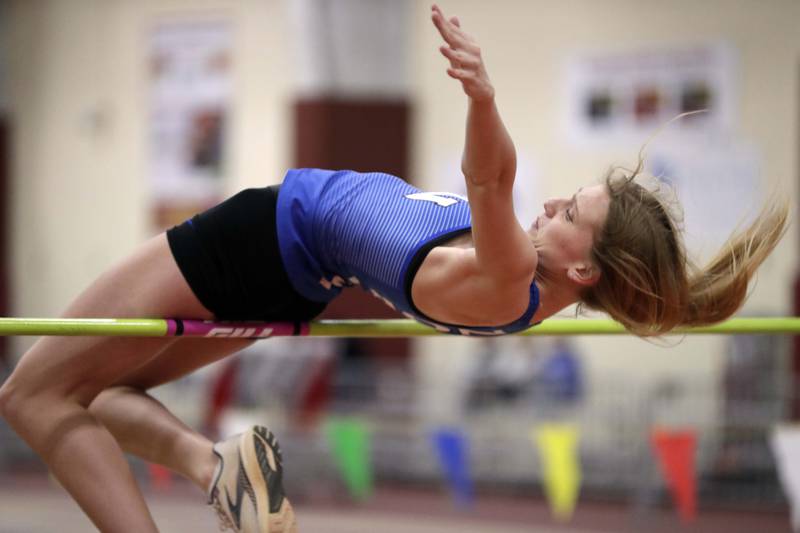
(464, 54)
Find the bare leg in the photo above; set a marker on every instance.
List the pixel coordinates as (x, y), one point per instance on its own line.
(145, 428)
(46, 399)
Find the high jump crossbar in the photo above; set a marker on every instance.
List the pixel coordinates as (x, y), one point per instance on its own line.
(143, 327)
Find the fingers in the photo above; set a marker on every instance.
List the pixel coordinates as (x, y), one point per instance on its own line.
(444, 30)
(464, 55)
(460, 73)
(459, 59)
(450, 30)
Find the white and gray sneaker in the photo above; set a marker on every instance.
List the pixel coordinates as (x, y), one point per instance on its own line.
(247, 487)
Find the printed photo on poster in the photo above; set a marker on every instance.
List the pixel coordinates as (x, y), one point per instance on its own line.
(623, 97)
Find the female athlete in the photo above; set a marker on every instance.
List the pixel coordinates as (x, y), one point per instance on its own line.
(461, 265)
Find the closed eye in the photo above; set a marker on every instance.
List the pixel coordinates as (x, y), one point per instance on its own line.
(574, 205)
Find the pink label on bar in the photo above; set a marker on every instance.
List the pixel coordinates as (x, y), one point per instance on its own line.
(247, 330)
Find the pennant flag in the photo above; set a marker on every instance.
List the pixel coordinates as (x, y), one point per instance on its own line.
(453, 453)
(785, 443)
(557, 445)
(675, 451)
(349, 441)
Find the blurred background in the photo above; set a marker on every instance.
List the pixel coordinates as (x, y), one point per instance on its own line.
(119, 118)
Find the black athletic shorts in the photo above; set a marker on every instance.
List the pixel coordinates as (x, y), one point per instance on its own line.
(230, 257)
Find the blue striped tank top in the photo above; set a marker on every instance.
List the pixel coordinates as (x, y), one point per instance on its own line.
(343, 228)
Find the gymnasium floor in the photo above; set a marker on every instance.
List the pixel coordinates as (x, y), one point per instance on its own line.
(27, 513)
(37, 506)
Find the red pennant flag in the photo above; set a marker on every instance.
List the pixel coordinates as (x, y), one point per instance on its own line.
(676, 450)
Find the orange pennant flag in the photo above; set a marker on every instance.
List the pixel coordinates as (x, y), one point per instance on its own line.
(676, 451)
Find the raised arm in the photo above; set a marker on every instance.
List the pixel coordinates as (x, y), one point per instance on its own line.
(503, 249)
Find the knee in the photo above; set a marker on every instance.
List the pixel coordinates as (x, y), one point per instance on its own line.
(5, 398)
(18, 401)
(10, 399)
(24, 398)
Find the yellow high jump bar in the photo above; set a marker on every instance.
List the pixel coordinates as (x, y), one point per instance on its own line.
(143, 327)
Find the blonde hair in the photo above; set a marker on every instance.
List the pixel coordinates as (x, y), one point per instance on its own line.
(647, 282)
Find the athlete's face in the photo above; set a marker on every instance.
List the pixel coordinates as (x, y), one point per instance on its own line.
(565, 232)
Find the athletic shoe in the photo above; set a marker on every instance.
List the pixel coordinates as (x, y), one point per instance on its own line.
(247, 488)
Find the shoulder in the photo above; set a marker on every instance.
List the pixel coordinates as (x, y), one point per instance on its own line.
(452, 286)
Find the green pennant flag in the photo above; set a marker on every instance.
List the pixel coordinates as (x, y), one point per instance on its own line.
(349, 441)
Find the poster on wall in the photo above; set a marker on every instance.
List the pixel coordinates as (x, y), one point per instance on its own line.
(624, 97)
(718, 183)
(190, 82)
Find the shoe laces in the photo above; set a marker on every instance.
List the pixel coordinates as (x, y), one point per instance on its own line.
(225, 522)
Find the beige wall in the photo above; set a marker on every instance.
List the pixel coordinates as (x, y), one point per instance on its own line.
(78, 89)
(525, 44)
(80, 197)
